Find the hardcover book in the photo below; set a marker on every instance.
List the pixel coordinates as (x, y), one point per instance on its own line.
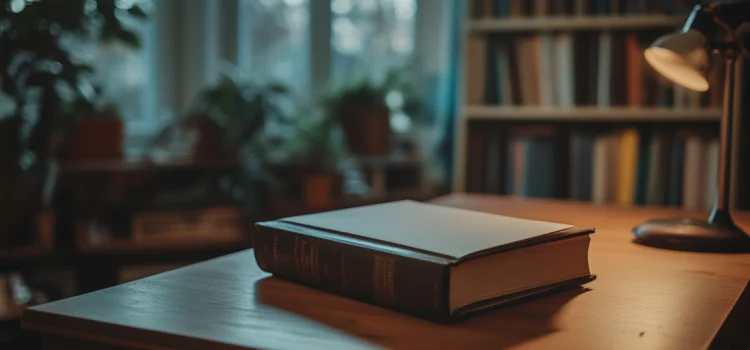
(430, 261)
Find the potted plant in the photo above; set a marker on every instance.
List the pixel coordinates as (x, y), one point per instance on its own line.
(364, 106)
(97, 131)
(232, 115)
(306, 158)
(38, 73)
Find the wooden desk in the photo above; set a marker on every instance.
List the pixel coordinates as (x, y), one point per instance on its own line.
(644, 298)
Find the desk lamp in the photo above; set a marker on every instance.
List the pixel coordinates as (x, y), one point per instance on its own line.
(683, 58)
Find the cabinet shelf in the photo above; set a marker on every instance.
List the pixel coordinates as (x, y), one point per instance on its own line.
(591, 114)
(576, 23)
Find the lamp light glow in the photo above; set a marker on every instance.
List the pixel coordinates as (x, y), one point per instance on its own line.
(681, 57)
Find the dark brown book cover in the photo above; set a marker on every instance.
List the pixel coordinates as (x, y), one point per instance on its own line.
(367, 254)
(619, 71)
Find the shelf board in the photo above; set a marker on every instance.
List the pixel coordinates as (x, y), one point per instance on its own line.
(575, 23)
(25, 253)
(117, 165)
(591, 114)
(126, 245)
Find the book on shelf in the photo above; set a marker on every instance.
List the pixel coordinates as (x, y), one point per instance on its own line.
(435, 262)
(563, 70)
(486, 9)
(518, 161)
(627, 166)
(219, 221)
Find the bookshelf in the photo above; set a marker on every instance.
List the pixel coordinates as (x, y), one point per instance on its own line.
(542, 78)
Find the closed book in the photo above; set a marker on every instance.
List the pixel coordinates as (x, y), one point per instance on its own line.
(514, 175)
(618, 73)
(491, 75)
(476, 75)
(581, 7)
(627, 166)
(476, 157)
(540, 168)
(504, 75)
(634, 66)
(644, 160)
(547, 84)
(502, 8)
(534, 55)
(711, 178)
(658, 170)
(430, 261)
(564, 70)
(586, 164)
(586, 52)
(575, 165)
(581, 162)
(526, 79)
(601, 176)
(604, 72)
(493, 161)
(676, 160)
(692, 183)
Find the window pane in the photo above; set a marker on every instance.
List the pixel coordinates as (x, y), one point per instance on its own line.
(274, 41)
(371, 36)
(119, 70)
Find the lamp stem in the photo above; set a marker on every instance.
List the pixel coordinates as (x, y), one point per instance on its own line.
(720, 213)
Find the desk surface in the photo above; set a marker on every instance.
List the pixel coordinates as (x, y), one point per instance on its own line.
(643, 298)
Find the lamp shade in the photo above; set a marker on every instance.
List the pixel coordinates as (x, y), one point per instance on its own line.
(681, 57)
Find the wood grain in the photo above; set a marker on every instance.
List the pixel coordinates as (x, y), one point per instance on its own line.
(644, 298)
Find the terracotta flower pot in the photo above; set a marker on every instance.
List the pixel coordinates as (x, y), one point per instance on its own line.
(98, 137)
(318, 190)
(316, 186)
(367, 131)
(209, 144)
(206, 146)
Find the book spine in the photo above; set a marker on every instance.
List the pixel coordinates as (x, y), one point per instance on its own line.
(396, 281)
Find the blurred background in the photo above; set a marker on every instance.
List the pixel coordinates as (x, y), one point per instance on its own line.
(137, 136)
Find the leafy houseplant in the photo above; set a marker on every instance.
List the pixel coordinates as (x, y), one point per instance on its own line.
(231, 116)
(39, 74)
(305, 159)
(363, 107)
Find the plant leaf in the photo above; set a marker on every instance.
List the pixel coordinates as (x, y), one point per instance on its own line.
(137, 12)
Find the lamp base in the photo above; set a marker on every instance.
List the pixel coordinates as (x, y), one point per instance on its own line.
(718, 234)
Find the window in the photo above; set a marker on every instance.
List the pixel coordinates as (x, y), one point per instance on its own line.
(371, 36)
(274, 42)
(367, 37)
